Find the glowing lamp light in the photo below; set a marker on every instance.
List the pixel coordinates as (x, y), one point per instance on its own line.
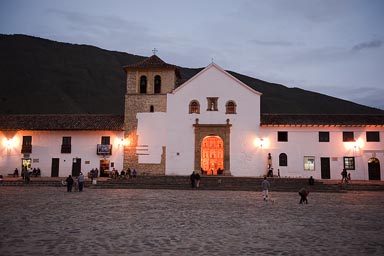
(9, 142)
(261, 143)
(354, 145)
(122, 142)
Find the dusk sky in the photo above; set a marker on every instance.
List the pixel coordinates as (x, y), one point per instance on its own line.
(335, 47)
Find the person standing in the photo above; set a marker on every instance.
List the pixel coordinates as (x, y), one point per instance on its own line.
(193, 178)
(27, 177)
(197, 178)
(344, 175)
(80, 179)
(265, 185)
(349, 180)
(16, 173)
(69, 181)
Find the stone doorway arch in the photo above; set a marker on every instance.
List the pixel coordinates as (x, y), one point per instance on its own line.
(221, 131)
(374, 169)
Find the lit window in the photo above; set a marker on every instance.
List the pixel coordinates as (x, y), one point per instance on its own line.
(194, 107)
(230, 107)
(349, 163)
(309, 163)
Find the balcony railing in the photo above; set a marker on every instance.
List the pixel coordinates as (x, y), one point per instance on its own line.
(104, 149)
(66, 148)
(26, 149)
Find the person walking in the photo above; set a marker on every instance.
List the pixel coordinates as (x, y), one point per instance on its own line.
(69, 181)
(303, 192)
(80, 180)
(265, 185)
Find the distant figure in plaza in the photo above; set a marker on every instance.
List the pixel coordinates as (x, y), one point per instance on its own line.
(1, 179)
(16, 173)
(311, 181)
(69, 181)
(122, 174)
(349, 180)
(75, 184)
(27, 175)
(96, 173)
(192, 178)
(197, 178)
(278, 173)
(303, 192)
(129, 173)
(80, 180)
(134, 173)
(344, 175)
(91, 174)
(23, 172)
(265, 187)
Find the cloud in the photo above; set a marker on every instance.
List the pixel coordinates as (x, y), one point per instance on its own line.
(367, 45)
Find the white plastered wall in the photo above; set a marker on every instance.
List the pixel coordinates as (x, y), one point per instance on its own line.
(47, 145)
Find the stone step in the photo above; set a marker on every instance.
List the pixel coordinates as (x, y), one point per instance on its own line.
(207, 183)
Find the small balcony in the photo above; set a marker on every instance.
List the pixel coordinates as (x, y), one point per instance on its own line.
(104, 149)
(26, 149)
(66, 148)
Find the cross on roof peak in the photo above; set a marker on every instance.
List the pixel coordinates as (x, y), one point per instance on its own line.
(154, 51)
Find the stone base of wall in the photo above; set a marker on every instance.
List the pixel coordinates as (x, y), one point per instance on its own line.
(131, 160)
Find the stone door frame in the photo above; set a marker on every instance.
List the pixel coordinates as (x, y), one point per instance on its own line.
(221, 130)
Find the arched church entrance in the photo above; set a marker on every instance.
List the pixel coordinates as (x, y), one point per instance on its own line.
(374, 169)
(212, 147)
(212, 155)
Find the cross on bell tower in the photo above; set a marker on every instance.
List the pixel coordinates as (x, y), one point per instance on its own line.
(154, 51)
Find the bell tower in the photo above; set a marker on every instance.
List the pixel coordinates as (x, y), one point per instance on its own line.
(148, 83)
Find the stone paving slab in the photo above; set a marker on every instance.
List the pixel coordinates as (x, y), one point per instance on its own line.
(51, 221)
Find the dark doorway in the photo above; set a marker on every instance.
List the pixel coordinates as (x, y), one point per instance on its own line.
(104, 168)
(76, 167)
(374, 169)
(325, 168)
(55, 167)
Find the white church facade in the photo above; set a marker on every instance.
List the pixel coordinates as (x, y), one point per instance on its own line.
(211, 123)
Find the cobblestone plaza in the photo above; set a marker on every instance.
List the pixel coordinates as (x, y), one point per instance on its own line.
(51, 221)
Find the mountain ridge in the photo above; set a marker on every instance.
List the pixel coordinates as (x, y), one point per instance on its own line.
(41, 76)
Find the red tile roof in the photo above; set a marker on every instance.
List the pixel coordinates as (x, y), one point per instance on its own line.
(151, 62)
(62, 122)
(321, 120)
